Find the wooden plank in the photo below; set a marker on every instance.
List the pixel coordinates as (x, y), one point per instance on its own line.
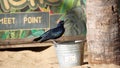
(15, 43)
(26, 45)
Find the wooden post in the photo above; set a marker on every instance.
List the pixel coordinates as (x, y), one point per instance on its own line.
(103, 31)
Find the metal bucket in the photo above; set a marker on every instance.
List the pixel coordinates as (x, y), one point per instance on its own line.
(70, 53)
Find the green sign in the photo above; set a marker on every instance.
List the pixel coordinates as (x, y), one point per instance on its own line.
(30, 20)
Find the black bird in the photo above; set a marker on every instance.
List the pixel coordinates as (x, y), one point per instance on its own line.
(52, 33)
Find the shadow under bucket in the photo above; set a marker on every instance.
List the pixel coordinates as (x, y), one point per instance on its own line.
(70, 53)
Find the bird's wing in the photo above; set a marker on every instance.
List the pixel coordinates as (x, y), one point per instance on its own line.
(43, 35)
(47, 35)
(51, 34)
(57, 33)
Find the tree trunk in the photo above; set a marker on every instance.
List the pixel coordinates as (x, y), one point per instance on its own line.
(103, 31)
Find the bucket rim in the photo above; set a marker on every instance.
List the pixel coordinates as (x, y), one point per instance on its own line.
(70, 42)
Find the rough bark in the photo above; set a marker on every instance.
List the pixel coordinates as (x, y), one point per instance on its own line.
(103, 31)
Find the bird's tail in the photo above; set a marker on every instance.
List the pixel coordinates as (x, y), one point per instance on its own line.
(37, 39)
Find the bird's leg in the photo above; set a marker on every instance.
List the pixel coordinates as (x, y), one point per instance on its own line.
(54, 41)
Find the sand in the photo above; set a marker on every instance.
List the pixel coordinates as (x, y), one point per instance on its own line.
(28, 58)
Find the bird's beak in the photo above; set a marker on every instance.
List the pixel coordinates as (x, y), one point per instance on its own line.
(58, 21)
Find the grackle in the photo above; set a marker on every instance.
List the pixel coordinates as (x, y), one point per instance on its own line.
(52, 33)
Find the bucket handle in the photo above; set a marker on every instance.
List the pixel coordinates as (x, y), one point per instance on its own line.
(78, 41)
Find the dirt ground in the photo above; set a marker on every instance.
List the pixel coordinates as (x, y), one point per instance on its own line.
(37, 58)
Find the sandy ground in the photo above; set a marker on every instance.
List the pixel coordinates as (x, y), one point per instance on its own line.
(46, 58)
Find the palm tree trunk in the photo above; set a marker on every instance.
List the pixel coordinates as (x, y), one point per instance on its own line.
(103, 31)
